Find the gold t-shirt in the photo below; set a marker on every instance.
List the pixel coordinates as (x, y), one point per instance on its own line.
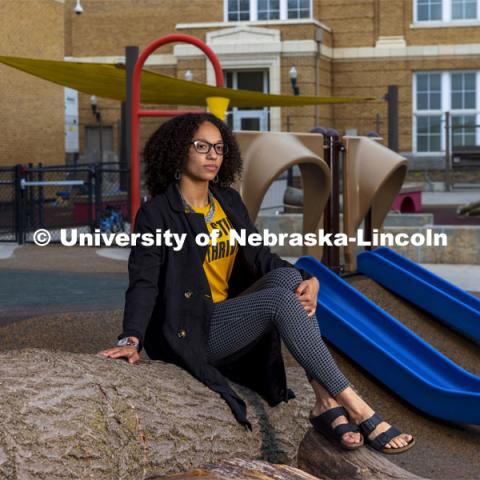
(219, 259)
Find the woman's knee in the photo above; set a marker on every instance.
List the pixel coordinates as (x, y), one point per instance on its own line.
(288, 309)
(286, 277)
(286, 301)
(280, 303)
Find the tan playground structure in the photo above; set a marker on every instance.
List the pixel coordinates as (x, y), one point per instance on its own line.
(372, 177)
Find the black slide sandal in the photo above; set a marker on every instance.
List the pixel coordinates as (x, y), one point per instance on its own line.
(379, 442)
(323, 424)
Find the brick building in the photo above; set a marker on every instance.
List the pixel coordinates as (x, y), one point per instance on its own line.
(429, 48)
(32, 110)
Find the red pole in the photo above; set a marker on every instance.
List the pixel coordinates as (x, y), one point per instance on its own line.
(136, 113)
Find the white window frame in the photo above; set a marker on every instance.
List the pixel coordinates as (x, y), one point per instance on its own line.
(445, 106)
(254, 12)
(446, 15)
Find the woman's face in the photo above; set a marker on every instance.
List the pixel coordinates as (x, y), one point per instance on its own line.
(204, 166)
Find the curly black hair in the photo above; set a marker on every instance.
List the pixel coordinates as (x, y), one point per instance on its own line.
(167, 150)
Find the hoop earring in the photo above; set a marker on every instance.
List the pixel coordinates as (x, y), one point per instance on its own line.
(215, 180)
(177, 174)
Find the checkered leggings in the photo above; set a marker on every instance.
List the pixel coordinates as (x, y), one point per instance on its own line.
(271, 300)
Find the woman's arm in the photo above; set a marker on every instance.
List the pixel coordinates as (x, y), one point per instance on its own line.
(144, 263)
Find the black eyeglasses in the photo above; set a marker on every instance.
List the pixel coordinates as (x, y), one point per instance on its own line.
(202, 146)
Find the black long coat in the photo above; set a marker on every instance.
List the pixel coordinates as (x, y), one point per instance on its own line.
(168, 303)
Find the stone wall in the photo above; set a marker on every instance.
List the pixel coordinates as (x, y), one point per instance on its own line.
(462, 241)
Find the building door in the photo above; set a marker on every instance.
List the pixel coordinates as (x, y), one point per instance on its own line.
(257, 119)
(248, 118)
(98, 141)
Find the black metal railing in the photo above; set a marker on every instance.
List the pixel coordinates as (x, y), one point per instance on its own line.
(7, 204)
(462, 150)
(56, 197)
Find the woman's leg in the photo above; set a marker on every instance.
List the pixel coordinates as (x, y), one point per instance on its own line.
(357, 408)
(271, 300)
(239, 321)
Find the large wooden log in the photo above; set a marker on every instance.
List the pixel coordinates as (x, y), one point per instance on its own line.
(67, 415)
(239, 469)
(317, 456)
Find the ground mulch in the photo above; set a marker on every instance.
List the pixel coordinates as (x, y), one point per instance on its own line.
(443, 451)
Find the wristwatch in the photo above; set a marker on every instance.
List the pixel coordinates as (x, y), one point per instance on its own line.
(128, 342)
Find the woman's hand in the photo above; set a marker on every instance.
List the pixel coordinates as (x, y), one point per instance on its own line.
(307, 292)
(130, 353)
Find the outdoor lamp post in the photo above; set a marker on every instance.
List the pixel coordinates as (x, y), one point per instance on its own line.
(78, 8)
(98, 117)
(93, 104)
(293, 74)
(188, 75)
(392, 99)
(293, 80)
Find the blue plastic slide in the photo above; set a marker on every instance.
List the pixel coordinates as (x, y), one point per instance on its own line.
(448, 303)
(391, 352)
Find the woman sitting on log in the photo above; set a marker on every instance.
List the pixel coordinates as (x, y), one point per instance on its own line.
(221, 310)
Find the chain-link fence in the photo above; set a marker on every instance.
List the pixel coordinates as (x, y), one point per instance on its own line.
(84, 197)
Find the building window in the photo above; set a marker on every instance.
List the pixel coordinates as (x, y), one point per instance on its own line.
(428, 10)
(463, 131)
(268, 9)
(436, 93)
(429, 107)
(463, 91)
(464, 9)
(298, 8)
(429, 91)
(429, 133)
(238, 10)
(446, 10)
(261, 10)
(463, 99)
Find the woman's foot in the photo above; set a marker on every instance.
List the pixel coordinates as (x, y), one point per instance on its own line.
(375, 430)
(349, 439)
(359, 411)
(324, 402)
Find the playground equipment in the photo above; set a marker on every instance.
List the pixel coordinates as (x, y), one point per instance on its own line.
(218, 105)
(409, 200)
(391, 352)
(284, 150)
(446, 302)
(372, 178)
